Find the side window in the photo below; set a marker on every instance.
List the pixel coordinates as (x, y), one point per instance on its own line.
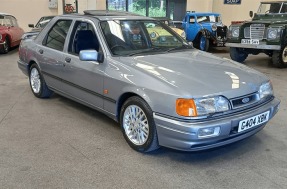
(14, 22)
(191, 20)
(56, 37)
(83, 38)
(8, 21)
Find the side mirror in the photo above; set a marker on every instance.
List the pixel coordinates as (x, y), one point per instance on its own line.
(31, 25)
(91, 55)
(251, 14)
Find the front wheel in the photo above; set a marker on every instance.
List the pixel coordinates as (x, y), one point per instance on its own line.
(279, 58)
(38, 84)
(6, 46)
(138, 126)
(237, 54)
(203, 43)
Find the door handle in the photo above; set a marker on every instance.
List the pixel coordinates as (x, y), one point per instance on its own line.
(67, 59)
(41, 51)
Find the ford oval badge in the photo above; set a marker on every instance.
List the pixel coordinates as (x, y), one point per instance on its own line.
(245, 100)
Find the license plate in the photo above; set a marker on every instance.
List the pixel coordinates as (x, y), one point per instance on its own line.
(253, 121)
(250, 41)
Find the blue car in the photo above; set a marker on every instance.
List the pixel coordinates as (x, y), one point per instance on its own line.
(204, 30)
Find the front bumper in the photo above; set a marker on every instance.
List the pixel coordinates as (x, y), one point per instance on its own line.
(262, 45)
(184, 135)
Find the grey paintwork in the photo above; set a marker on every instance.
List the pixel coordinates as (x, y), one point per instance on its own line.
(159, 79)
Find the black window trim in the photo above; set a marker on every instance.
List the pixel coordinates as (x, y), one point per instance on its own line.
(44, 41)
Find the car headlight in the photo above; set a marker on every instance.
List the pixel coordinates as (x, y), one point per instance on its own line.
(273, 33)
(201, 106)
(183, 35)
(265, 90)
(214, 27)
(234, 31)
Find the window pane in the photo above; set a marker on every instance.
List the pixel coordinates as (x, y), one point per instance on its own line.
(157, 8)
(83, 38)
(131, 37)
(137, 6)
(57, 35)
(117, 5)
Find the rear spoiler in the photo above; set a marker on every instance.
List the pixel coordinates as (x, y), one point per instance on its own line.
(29, 35)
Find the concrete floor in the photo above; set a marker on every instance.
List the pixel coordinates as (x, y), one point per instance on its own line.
(57, 143)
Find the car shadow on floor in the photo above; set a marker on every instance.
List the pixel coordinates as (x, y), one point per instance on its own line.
(237, 149)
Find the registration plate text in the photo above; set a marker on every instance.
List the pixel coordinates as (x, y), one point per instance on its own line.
(250, 41)
(253, 121)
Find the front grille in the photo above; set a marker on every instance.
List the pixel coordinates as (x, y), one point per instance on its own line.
(245, 101)
(221, 31)
(257, 31)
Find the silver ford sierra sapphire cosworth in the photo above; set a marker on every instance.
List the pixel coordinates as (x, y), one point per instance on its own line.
(139, 72)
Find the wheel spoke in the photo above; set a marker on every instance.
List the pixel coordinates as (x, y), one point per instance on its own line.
(35, 80)
(135, 125)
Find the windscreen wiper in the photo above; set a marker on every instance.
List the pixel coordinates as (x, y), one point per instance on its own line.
(147, 51)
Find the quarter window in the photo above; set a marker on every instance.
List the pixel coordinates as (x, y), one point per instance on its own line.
(56, 37)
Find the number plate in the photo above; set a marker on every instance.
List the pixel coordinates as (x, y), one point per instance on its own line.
(250, 41)
(253, 121)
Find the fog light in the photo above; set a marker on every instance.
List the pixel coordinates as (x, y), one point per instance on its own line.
(208, 132)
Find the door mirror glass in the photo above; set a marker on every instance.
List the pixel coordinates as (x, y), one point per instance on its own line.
(91, 55)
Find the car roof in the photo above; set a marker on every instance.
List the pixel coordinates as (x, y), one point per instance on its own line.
(2, 13)
(203, 13)
(110, 15)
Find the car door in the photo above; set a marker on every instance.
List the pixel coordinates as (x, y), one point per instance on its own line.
(50, 53)
(9, 30)
(83, 80)
(192, 28)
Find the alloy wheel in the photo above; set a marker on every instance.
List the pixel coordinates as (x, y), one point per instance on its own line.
(135, 124)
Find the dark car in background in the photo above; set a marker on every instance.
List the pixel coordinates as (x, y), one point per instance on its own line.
(41, 23)
(10, 32)
(265, 33)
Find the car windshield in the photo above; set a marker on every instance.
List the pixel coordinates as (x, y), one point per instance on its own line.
(43, 21)
(210, 18)
(272, 8)
(133, 37)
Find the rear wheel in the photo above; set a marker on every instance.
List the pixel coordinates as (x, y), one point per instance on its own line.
(38, 84)
(203, 43)
(138, 126)
(279, 58)
(6, 46)
(237, 54)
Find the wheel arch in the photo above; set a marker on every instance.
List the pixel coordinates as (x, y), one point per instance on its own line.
(30, 64)
(203, 32)
(123, 98)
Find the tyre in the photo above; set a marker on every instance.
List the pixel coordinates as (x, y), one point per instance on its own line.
(37, 83)
(237, 54)
(138, 125)
(203, 43)
(279, 58)
(6, 46)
